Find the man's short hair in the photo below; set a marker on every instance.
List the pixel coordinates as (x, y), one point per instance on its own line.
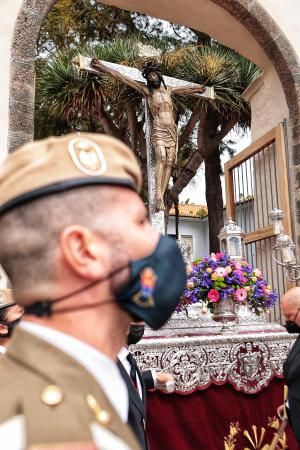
(29, 233)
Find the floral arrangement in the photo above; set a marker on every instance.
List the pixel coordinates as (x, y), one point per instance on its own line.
(213, 279)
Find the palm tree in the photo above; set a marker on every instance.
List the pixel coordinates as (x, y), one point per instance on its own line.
(71, 100)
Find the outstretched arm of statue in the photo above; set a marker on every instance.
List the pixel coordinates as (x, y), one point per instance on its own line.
(98, 65)
(189, 90)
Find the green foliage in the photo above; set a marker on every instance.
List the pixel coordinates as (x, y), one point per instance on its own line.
(65, 98)
(224, 69)
(202, 212)
(71, 22)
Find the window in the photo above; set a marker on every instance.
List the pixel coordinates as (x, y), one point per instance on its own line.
(187, 239)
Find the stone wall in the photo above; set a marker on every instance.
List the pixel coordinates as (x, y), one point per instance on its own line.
(8, 13)
(22, 70)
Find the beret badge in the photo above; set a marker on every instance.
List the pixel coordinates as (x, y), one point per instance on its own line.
(3, 298)
(87, 156)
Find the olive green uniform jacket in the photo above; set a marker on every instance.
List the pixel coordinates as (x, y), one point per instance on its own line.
(59, 403)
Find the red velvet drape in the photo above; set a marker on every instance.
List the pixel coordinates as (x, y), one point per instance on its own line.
(201, 420)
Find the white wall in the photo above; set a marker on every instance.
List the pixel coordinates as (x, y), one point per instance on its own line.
(265, 112)
(197, 228)
(287, 15)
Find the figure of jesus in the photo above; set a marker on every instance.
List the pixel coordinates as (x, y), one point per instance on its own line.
(164, 130)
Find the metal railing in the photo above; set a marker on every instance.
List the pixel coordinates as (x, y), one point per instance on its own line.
(257, 182)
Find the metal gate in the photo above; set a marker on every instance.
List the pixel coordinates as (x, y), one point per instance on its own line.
(256, 182)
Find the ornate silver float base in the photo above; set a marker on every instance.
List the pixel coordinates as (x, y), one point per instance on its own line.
(193, 321)
(191, 347)
(248, 361)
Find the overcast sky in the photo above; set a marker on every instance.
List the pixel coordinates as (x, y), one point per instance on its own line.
(195, 191)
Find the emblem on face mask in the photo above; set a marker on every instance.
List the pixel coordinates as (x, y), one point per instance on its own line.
(144, 297)
(87, 156)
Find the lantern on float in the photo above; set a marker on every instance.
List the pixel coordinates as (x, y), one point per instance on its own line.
(231, 239)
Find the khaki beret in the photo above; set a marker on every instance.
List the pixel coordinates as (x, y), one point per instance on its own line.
(6, 298)
(57, 164)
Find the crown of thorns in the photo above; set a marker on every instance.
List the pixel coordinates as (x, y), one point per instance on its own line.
(150, 66)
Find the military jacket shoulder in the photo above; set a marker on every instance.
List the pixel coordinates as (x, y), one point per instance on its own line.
(54, 400)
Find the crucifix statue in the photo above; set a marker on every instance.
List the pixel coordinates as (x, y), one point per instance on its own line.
(158, 97)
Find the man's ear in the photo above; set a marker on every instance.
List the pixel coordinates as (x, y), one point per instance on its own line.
(85, 253)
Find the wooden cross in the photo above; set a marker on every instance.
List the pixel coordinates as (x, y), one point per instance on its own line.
(131, 73)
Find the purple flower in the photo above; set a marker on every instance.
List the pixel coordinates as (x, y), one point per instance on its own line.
(188, 294)
(236, 278)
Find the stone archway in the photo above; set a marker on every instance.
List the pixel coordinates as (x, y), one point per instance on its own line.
(249, 14)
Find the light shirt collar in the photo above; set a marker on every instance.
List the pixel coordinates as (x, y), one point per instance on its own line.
(2, 349)
(123, 353)
(100, 366)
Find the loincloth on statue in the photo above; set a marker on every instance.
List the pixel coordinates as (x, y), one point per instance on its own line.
(166, 137)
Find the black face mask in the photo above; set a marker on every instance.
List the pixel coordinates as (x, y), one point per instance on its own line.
(151, 294)
(136, 332)
(10, 328)
(155, 285)
(292, 327)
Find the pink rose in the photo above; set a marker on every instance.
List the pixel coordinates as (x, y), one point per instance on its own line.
(257, 273)
(213, 295)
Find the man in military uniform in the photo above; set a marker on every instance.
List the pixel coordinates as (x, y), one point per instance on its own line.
(74, 241)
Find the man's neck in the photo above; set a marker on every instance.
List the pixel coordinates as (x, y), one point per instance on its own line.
(101, 335)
